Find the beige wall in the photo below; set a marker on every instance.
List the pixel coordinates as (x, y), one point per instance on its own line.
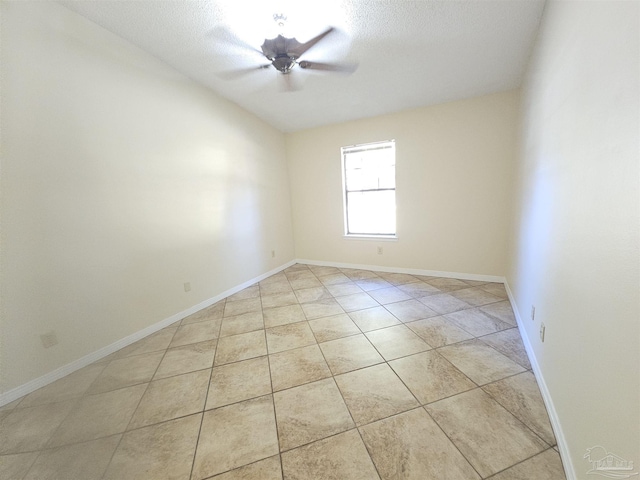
(576, 239)
(454, 173)
(121, 180)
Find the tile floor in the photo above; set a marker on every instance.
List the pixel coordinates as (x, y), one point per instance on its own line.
(314, 373)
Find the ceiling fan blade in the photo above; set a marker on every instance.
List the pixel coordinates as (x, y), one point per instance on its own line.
(224, 35)
(301, 48)
(329, 67)
(240, 72)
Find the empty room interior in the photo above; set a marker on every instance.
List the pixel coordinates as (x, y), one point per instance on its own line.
(320, 240)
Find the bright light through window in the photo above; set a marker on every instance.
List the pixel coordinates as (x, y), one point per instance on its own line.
(369, 179)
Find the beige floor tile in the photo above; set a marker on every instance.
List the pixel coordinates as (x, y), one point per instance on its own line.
(232, 309)
(330, 328)
(475, 322)
(373, 283)
(27, 429)
(373, 393)
(275, 287)
(410, 310)
(11, 405)
(398, 278)
(126, 372)
(521, 396)
(239, 381)
(249, 432)
(213, 312)
(162, 451)
(307, 281)
(496, 289)
(544, 466)
(299, 274)
(501, 311)
(297, 267)
(475, 283)
(475, 296)
(313, 294)
(480, 362)
(250, 292)
(340, 457)
(350, 353)
(446, 284)
(438, 332)
(491, 439)
(321, 270)
(240, 347)
(153, 343)
(509, 343)
(247, 322)
(373, 319)
(280, 276)
(171, 398)
(68, 387)
(96, 416)
(310, 412)
(196, 333)
(357, 301)
(321, 308)
(274, 317)
(419, 289)
(343, 289)
(389, 295)
(443, 303)
(396, 342)
(334, 279)
(287, 337)
(267, 469)
(279, 300)
(296, 367)
(86, 461)
(407, 445)
(15, 466)
(189, 358)
(355, 274)
(71, 428)
(430, 377)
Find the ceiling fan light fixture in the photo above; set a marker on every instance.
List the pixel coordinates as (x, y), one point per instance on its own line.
(280, 19)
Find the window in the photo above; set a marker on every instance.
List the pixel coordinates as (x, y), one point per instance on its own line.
(369, 181)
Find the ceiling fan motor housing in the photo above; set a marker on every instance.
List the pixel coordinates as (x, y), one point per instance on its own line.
(282, 52)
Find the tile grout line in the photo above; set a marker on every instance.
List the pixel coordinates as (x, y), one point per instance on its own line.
(122, 434)
(206, 397)
(451, 440)
(332, 374)
(273, 398)
(493, 475)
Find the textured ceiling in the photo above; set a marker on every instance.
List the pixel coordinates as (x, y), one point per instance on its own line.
(410, 53)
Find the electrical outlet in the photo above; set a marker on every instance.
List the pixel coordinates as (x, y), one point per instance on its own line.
(542, 331)
(379, 250)
(49, 339)
(533, 313)
(187, 287)
(273, 254)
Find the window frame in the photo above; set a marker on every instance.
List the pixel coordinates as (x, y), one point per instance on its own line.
(391, 144)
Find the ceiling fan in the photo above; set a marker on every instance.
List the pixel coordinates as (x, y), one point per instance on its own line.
(285, 53)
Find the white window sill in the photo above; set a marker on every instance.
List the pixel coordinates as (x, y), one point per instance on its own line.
(378, 238)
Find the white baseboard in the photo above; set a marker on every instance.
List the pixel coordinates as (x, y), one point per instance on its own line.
(546, 396)
(411, 271)
(22, 390)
